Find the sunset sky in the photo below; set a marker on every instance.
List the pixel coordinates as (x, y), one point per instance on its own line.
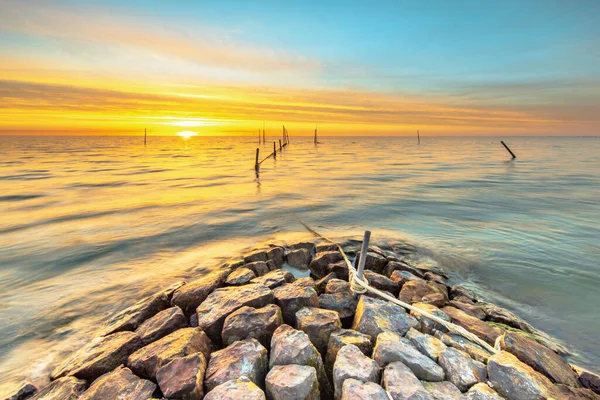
(357, 68)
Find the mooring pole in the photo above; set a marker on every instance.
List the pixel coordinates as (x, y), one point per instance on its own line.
(256, 164)
(418, 137)
(145, 136)
(274, 151)
(363, 255)
(507, 149)
(280, 145)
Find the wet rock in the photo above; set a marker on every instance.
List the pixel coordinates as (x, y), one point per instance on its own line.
(183, 377)
(119, 384)
(472, 324)
(322, 283)
(437, 299)
(503, 316)
(403, 248)
(481, 391)
(299, 258)
(571, 393)
(340, 268)
(539, 358)
(277, 255)
(374, 316)
(243, 358)
(161, 325)
(470, 309)
(401, 383)
(391, 347)
(460, 369)
(442, 390)
(588, 379)
(310, 246)
(516, 380)
(222, 302)
(99, 356)
(343, 303)
(318, 324)
(236, 389)
(319, 265)
(67, 388)
(291, 298)
(322, 247)
(374, 262)
(430, 346)
(260, 255)
(292, 382)
(430, 276)
(415, 291)
(146, 361)
(252, 323)
(426, 265)
(352, 363)
(401, 277)
(274, 278)
(353, 389)
(240, 276)
(259, 268)
(463, 291)
(427, 325)
(393, 266)
(189, 297)
(130, 318)
(337, 286)
(25, 391)
(291, 346)
(343, 337)
(381, 282)
(475, 351)
(305, 282)
(272, 265)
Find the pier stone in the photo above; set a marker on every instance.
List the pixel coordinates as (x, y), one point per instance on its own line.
(298, 382)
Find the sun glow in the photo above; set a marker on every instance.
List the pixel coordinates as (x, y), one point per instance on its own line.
(186, 134)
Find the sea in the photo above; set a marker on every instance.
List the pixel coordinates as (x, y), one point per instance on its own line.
(89, 225)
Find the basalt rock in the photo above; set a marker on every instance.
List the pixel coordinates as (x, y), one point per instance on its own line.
(259, 268)
(374, 316)
(427, 325)
(99, 356)
(415, 291)
(481, 391)
(322, 283)
(343, 337)
(588, 379)
(277, 255)
(260, 255)
(401, 277)
(344, 303)
(401, 383)
(236, 389)
(299, 258)
(503, 316)
(571, 393)
(374, 262)
(463, 291)
(24, 392)
(222, 302)
(326, 246)
(353, 389)
(243, 358)
(161, 324)
(189, 297)
(460, 369)
(291, 298)
(443, 390)
(340, 268)
(472, 324)
(472, 310)
(274, 278)
(67, 388)
(292, 382)
(430, 276)
(252, 323)
(391, 347)
(337, 286)
(352, 363)
(240, 276)
(475, 351)
(119, 384)
(393, 266)
(319, 265)
(305, 282)
(146, 361)
(381, 282)
(310, 246)
(130, 318)
(183, 378)
(318, 324)
(430, 346)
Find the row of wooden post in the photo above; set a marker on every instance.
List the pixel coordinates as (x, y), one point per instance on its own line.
(286, 140)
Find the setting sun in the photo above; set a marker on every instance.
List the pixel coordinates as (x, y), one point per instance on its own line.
(186, 134)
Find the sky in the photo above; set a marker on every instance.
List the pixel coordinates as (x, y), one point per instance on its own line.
(83, 67)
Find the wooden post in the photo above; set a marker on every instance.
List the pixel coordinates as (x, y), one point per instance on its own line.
(363, 254)
(315, 136)
(264, 140)
(418, 137)
(280, 145)
(507, 149)
(256, 164)
(145, 136)
(274, 151)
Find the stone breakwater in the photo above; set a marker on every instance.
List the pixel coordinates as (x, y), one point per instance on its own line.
(251, 330)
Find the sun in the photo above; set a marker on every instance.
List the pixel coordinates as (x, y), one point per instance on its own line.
(187, 134)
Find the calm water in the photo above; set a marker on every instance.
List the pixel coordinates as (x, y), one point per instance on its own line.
(89, 225)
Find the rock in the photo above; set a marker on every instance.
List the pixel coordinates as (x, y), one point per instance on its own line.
(460, 369)
(391, 347)
(443, 390)
(99, 356)
(353, 389)
(25, 391)
(245, 357)
(119, 384)
(319, 265)
(343, 337)
(305, 282)
(430, 346)
(291, 346)
(339, 268)
(222, 302)
(259, 268)
(322, 247)
(503, 316)
(437, 299)
(481, 391)
(274, 279)
(161, 324)
(403, 248)
(318, 324)
(322, 283)
(539, 358)
(415, 291)
(393, 266)
(240, 276)
(260, 255)
(352, 363)
(292, 382)
(401, 277)
(337, 286)
(343, 303)
(463, 291)
(146, 361)
(475, 351)
(252, 323)
(427, 325)
(66, 388)
(374, 316)
(374, 262)
(310, 246)
(401, 383)
(588, 379)
(571, 393)
(473, 325)
(470, 309)
(130, 318)
(430, 276)
(299, 258)
(291, 298)
(277, 255)
(516, 380)
(381, 282)
(236, 389)
(183, 377)
(189, 297)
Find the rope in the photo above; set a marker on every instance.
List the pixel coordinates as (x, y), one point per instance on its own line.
(360, 286)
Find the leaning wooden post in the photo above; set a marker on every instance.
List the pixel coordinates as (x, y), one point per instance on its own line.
(418, 137)
(145, 136)
(363, 256)
(280, 145)
(274, 151)
(507, 149)
(256, 164)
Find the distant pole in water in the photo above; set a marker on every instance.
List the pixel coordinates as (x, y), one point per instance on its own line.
(274, 151)
(256, 164)
(316, 134)
(418, 137)
(145, 136)
(264, 141)
(507, 149)
(280, 145)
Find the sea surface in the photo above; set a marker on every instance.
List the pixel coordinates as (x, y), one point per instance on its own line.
(89, 225)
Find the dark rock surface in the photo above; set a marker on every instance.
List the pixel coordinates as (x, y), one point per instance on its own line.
(292, 381)
(236, 389)
(240, 276)
(189, 297)
(274, 278)
(252, 323)
(354, 389)
(320, 263)
(343, 337)
(259, 255)
(318, 324)
(299, 258)
(119, 384)
(352, 363)
(258, 267)
(161, 324)
(292, 298)
(382, 282)
(25, 391)
(130, 318)
(460, 369)
(374, 316)
(183, 377)
(474, 325)
(401, 383)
